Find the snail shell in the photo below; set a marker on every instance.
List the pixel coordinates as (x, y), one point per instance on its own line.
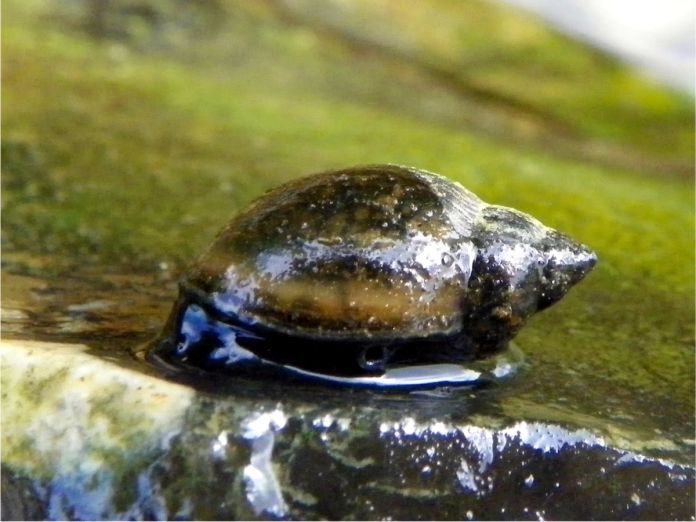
(354, 272)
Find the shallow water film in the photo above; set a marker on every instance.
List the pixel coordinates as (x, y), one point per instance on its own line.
(132, 132)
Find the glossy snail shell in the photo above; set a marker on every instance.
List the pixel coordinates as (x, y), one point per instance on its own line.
(355, 271)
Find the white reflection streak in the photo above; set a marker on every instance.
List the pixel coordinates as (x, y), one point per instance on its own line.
(488, 443)
(262, 487)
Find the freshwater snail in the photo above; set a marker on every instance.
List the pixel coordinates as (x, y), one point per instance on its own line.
(365, 275)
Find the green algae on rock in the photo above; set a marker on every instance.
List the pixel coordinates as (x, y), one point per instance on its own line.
(380, 274)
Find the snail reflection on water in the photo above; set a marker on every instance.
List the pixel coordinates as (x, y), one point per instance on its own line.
(371, 276)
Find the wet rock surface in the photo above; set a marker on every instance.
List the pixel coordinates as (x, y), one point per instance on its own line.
(258, 450)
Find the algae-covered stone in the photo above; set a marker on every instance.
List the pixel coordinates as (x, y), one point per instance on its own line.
(119, 166)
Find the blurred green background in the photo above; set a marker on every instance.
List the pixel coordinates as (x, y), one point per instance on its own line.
(133, 130)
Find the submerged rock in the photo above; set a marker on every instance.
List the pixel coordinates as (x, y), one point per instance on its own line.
(377, 275)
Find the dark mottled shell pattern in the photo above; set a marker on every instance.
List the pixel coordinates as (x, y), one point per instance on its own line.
(381, 252)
